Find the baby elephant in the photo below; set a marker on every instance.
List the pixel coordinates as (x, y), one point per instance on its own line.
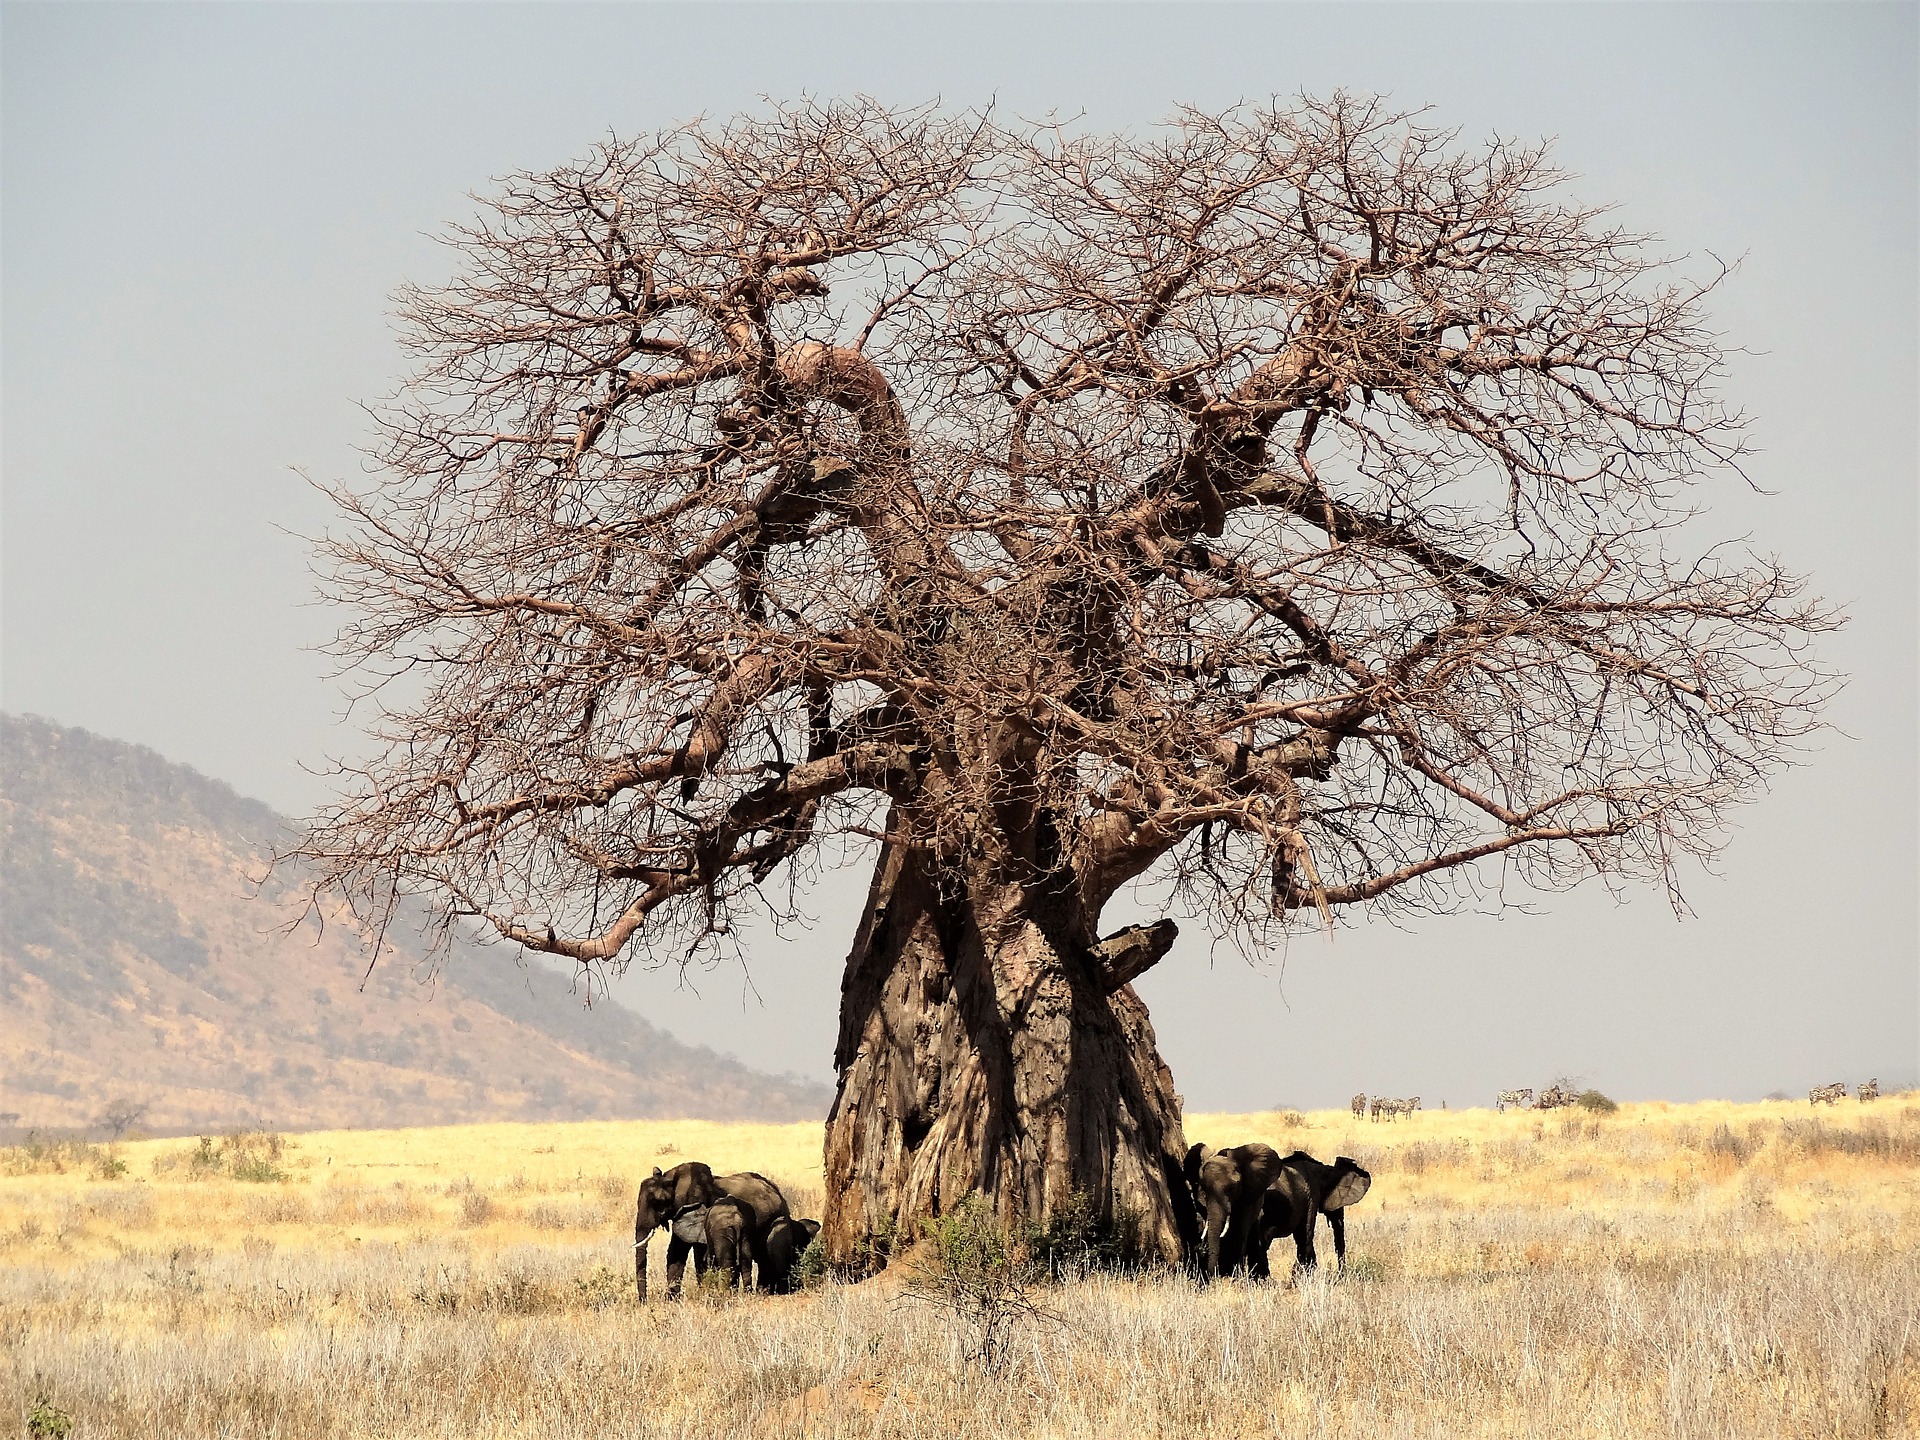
(729, 1240)
(1303, 1191)
(785, 1240)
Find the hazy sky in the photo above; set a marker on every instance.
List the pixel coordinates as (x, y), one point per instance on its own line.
(206, 207)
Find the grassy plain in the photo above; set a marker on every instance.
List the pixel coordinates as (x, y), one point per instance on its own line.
(1688, 1270)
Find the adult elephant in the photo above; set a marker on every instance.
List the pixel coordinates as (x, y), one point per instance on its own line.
(667, 1195)
(786, 1239)
(1304, 1190)
(1229, 1186)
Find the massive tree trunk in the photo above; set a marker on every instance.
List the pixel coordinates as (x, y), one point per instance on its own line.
(985, 1049)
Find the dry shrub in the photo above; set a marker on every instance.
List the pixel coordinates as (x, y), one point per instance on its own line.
(285, 1207)
(1874, 1138)
(566, 1215)
(612, 1187)
(476, 1208)
(48, 1155)
(127, 1206)
(351, 1205)
(1723, 1144)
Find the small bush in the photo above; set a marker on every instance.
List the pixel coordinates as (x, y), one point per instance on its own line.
(612, 1187)
(126, 1206)
(812, 1269)
(44, 1422)
(282, 1209)
(1596, 1102)
(571, 1215)
(476, 1208)
(1075, 1240)
(241, 1155)
(40, 1154)
(871, 1252)
(1727, 1145)
(601, 1287)
(971, 1267)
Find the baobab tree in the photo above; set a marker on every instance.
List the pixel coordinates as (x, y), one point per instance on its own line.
(1287, 505)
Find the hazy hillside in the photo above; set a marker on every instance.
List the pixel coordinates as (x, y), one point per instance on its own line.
(141, 960)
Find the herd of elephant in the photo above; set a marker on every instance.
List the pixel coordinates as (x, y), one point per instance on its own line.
(1249, 1196)
(1246, 1197)
(733, 1224)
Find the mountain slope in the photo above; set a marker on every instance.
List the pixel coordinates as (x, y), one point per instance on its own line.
(142, 958)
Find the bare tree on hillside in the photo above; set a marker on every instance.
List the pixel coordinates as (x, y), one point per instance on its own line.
(1284, 504)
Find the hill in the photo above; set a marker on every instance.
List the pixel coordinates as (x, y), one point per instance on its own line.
(144, 960)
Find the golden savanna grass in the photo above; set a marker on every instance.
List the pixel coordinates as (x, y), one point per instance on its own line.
(1686, 1270)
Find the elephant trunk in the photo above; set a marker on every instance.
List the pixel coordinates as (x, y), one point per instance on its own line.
(641, 1237)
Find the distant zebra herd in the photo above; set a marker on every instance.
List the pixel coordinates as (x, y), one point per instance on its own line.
(1381, 1107)
(1554, 1097)
(1833, 1094)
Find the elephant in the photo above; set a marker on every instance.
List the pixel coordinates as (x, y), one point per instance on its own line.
(1228, 1186)
(1304, 1190)
(664, 1197)
(730, 1230)
(786, 1238)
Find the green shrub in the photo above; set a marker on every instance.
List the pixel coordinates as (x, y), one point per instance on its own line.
(1076, 1240)
(243, 1155)
(872, 1252)
(46, 1423)
(811, 1269)
(1593, 1100)
(971, 1267)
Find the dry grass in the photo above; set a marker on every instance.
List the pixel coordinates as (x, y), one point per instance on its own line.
(1706, 1270)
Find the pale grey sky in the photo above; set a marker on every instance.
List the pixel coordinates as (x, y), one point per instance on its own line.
(205, 207)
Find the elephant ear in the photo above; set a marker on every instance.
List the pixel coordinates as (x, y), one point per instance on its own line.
(691, 1225)
(656, 1170)
(1352, 1186)
(1197, 1155)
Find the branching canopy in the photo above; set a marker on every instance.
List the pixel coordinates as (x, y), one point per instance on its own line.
(1291, 502)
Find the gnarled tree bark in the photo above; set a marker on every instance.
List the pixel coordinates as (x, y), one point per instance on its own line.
(988, 1049)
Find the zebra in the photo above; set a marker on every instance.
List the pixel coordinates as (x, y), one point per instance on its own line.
(1828, 1094)
(1381, 1106)
(1519, 1099)
(1869, 1090)
(1407, 1107)
(1552, 1098)
(1360, 1106)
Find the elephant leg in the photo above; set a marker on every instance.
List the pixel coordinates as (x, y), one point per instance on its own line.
(1338, 1220)
(1246, 1218)
(1304, 1258)
(1260, 1269)
(677, 1252)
